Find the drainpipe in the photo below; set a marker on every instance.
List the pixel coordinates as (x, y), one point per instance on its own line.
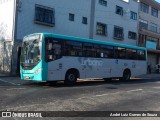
(14, 31)
(138, 16)
(92, 18)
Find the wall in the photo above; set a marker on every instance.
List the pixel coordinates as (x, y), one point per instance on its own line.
(107, 15)
(80, 8)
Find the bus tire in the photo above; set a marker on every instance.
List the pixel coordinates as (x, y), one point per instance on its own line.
(126, 75)
(107, 79)
(71, 77)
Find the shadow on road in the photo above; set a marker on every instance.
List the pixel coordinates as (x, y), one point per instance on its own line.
(83, 83)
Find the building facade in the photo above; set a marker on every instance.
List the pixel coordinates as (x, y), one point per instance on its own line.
(107, 20)
(149, 30)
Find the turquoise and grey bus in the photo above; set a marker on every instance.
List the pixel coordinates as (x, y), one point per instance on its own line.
(52, 57)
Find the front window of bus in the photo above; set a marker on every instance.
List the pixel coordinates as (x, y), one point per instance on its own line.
(31, 52)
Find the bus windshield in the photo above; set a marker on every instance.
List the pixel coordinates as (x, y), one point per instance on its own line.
(31, 52)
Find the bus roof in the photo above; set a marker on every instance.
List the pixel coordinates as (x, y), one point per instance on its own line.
(91, 41)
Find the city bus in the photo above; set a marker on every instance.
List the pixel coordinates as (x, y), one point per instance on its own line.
(47, 57)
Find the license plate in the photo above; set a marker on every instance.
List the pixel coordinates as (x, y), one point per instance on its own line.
(27, 77)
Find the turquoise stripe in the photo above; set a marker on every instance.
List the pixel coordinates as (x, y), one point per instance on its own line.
(92, 41)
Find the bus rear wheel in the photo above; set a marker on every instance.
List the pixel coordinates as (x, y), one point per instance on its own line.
(107, 79)
(126, 75)
(70, 78)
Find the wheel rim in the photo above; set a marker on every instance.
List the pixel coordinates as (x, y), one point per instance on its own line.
(71, 77)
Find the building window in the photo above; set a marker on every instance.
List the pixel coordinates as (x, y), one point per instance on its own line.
(143, 24)
(44, 15)
(141, 40)
(101, 29)
(133, 15)
(144, 7)
(153, 27)
(103, 2)
(154, 12)
(132, 35)
(118, 33)
(71, 17)
(119, 10)
(84, 20)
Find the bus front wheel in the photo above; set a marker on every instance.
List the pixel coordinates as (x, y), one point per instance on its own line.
(70, 78)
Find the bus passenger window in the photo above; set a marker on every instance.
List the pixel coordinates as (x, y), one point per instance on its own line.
(73, 48)
(102, 55)
(88, 50)
(141, 55)
(53, 49)
(131, 54)
(120, 53)
(97, 51)
(56, 51)
(107, 51)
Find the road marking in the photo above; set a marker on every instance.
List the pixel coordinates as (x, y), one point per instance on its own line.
(16, 88)
(100, 95)
(134, 90)
(9, 82)
(156, 87)
(81, 98)
(118, 92)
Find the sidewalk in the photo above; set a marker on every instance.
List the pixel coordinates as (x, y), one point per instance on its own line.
(7, 75)
(150, 76)
(3, 75)
(12, 79)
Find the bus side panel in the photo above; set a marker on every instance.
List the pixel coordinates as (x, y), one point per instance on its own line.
(119, 65)
(94, 67)
(97, 68)
(88, 67)
(55, 70)
(141, 68)
(73, 63)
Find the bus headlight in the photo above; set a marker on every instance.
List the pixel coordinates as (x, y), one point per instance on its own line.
(38, 71)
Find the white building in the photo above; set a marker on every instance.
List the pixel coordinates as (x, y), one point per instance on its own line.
(107, 20)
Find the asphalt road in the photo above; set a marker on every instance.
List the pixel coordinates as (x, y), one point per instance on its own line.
(94, 95)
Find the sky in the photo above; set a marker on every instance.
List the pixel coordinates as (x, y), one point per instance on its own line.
(158, 1)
